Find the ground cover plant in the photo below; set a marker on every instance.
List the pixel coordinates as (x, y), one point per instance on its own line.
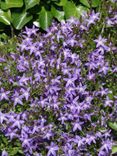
(58, 88)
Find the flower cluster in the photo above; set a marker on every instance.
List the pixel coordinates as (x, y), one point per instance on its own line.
(57, 102)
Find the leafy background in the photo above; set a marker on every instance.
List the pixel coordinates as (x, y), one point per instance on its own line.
(15, 14)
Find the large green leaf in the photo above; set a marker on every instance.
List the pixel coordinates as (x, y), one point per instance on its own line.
(62, 3)
(114, 149)
(31, 3)
(11, 4)
(59, 15)
(45, 18)
(20, 19)
(95, 3)
(113, 125)
(70, 10)
(85, 3)
(5, 17)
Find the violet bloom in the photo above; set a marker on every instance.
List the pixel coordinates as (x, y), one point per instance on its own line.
(12, 134)
(90, 139)
(52, 149)
(17, 98)
(106, 147)
(25, 93)
(69, 151)
(100, 41)
(2, 117)
(77, 126)
(104, 69)
(30, 31)
(93, 18)
(2, 60)
(108, 102)
(17, 123)
(4, 153)
(23, 80)
(70, 81)
(4, 94)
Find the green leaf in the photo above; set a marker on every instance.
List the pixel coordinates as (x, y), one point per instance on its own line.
(11, 4)
(5, 17)
(20, 19)
(95, 3)
(45, 18)
(70, 10)
(80, 10)
(85, 3)
(62, 3)
(114, 149)
(59, 15)
(113, 125)
(31, 3)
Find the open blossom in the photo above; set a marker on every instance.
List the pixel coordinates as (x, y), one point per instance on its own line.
(4, 94)
(100, 41)
(93, 18)
(52, 149)
(2, 117)
(4, 153)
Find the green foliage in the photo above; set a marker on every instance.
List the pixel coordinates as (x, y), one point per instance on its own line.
(5, 17)
(95, 3)
(11, 4)
(12, 149)
(18, 13)
(113, 125)
(45, 18)
(114, 149)
(85, 3)
(20, 19)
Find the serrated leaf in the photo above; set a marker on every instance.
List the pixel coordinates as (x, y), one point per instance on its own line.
(5, 17)
(113, 125)
(11, 4)
(114, 149)
(59, 15)
(31, 3)
(62, 3)
(45, 18)
(85, 3)
(95, 3)
(70, 10)
(20, 19)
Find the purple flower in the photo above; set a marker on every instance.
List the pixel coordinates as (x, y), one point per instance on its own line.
(100, 41)
(77, 126)
(93, 18)
(90, 139)
(108, 102)
(52, 149)
(106, 147)
(4, 153)
(30, 31)
(70, 81)
(23, 80)
(25, 93)
(4, 94)
(17, 98)
(2, 117)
